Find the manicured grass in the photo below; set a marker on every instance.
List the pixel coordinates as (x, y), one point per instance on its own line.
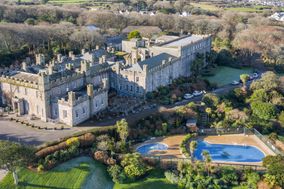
(225, 75)
(80, 172)
(155, 180)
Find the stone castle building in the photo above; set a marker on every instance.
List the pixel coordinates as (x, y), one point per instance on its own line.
(72, 89)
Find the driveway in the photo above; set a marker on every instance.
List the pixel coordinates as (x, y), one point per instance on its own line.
(13, 131)
(19, 133)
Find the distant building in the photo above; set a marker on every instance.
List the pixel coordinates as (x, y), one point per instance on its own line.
(279, 16)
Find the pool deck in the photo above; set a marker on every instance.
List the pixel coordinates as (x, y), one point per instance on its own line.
(174, 142)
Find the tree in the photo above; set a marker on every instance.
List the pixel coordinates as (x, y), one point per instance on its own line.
(192, 147)
(134, 34)
(244, 78)
(275, 169)
(207, 159)
(14, 155)
(259, 95)
(281, 118)
(211, 100)
(269, 81)
(252, 179)
(263, 110)
(133, 165)
(122, 129)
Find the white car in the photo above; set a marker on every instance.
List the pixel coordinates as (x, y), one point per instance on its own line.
(197, 93)
(255, 75)
(188, 96)
(235, 82)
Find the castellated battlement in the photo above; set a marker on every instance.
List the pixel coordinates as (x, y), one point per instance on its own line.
(19, 82)
(164, 63)
(71, 99)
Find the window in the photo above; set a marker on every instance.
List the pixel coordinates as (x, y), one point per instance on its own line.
(26, 91)
(102, 101)
(137, 89)
(64, 113)
(96, 104)
(137, 79)
(83, 110)
(131, 88)
(76, 113)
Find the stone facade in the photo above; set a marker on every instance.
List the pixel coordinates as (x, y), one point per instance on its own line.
(167, 61)
(69, 91)
(72, 89)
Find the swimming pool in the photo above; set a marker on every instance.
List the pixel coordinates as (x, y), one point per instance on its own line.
(147, 148)
(229, 153)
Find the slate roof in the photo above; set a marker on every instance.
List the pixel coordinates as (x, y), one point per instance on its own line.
(24, 76)
(151, 62)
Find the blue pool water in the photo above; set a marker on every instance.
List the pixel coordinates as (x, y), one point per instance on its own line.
(229, 153)
(147, 148)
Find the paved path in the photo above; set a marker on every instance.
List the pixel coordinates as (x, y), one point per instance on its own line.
(13, 131)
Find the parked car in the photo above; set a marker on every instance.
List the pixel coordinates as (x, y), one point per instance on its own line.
(255, 75)
(197, 93)
(235, 82)
(188, 96)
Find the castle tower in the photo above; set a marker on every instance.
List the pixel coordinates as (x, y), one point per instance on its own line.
(134, 56)
(90, 90)
(59, 58)
(105, 83)
(24, 66)
(84, 66)
(50, 69)
(40, 59)
(71, 98)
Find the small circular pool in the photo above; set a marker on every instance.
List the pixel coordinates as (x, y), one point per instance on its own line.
(147, 148)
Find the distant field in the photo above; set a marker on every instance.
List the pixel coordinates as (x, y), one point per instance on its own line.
(206, 6)
(212, 7)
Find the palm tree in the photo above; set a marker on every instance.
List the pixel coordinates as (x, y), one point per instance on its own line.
(244, 78)
(207, 159)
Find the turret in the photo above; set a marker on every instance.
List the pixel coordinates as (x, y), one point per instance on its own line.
(105, 83)
(145, 67)
(117, 67)
(24, 66)
(90, 90)
(71, 97)
(59, 58)
(71, 55)
(43, 80)
(84, 66)
(40, 59)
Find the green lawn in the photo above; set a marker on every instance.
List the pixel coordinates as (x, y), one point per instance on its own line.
(225, 75)
(155, 180)
(81, 172)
